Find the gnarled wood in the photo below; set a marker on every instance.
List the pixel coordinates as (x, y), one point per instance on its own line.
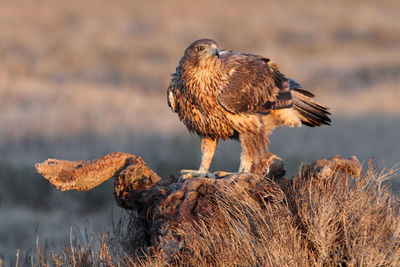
(324, 168)
(162, 204)
(85, 175)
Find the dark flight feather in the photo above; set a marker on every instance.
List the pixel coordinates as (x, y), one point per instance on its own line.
(310, 112)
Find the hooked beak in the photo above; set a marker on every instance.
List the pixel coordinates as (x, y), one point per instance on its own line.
(216, 52)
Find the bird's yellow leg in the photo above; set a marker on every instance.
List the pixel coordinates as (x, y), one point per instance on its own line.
(208, 146)
(245, 158)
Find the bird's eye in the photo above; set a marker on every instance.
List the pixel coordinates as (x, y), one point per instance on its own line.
(200, 48)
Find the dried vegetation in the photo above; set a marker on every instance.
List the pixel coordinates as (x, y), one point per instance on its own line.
(332, 213)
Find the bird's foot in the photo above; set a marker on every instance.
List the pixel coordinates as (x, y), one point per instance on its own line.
(187, 174)
(222, 174)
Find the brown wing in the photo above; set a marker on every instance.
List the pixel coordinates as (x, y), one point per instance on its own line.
(175, 88)
(252, 86)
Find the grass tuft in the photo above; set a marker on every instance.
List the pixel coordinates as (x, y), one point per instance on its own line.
(329, 220)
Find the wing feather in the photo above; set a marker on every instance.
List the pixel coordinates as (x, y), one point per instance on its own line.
(252, 86)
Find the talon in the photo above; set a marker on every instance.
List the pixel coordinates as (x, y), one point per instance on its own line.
(187, 174)
(222, 174)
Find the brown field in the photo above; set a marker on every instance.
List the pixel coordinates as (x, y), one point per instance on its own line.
(79, 79)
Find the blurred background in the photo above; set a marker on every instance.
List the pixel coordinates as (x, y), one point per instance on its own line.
(80, 79)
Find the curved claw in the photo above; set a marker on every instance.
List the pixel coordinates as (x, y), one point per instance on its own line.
(222, 174)
(187, 174)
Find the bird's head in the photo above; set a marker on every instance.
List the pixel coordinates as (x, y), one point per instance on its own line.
(202, 52)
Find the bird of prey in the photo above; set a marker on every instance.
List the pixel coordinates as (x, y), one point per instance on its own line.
(222, 94)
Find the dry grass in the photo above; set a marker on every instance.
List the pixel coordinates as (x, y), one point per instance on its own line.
(314, 221)
(99, 69)
(75, 67)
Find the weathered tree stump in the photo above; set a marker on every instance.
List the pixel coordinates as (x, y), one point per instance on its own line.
(163, 203)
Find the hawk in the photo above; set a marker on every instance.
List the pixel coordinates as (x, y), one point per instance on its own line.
(225, 94)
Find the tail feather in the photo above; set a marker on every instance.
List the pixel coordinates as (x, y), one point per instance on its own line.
(309, 111)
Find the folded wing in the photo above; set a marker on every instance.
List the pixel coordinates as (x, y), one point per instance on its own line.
(252, 85)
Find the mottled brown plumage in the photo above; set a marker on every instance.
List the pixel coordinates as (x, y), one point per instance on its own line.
(227, 94)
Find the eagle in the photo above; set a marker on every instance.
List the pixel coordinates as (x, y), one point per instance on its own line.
(225, 94)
